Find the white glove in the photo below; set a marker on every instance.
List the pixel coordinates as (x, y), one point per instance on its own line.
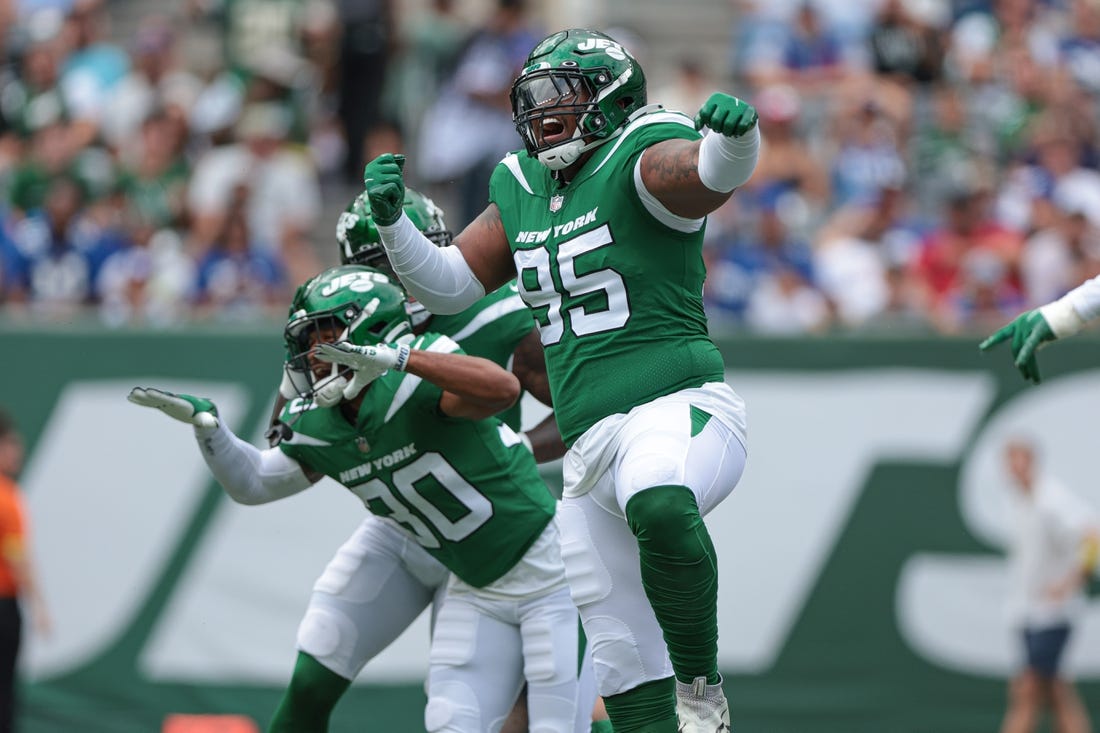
(197, 411)
(367, 362)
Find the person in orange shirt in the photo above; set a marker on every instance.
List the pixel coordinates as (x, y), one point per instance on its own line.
(17, 579)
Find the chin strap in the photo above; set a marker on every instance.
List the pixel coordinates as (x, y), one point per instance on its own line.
(563, 155)
(332, 391)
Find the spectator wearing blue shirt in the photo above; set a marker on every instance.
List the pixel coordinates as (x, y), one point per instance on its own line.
(57, 251)
(739, 265)
(237, 279)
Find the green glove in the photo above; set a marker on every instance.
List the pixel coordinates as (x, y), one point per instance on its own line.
(197, 411)
(726, 115)
(385, 187)
(1028, 332)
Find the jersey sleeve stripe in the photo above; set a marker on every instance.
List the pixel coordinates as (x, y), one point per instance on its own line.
(655, 118)
(298, 439)
(494, 312)
(410, 382)
(511, 162)
(408, 385)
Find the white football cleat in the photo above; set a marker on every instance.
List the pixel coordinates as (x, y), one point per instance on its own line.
(702, 708)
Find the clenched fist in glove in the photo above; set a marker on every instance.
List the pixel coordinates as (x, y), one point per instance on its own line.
(385, 187)
(727, 115)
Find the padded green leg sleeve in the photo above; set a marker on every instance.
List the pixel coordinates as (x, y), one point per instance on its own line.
(680, 577)
(648, 708)
(309, 700)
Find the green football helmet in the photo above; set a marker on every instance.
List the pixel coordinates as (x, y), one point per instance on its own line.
(349, 303)
(580, 73)
(360, 243)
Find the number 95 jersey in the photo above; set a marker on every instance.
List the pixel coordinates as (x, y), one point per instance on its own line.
(468, 491)
(616, 294)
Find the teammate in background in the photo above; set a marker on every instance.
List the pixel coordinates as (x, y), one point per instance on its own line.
(1063, 317)
(1054, 552)
(405, 422)
(602, 218)
(18, 581)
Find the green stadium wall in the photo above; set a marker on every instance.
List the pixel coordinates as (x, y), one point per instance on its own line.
(862, 567)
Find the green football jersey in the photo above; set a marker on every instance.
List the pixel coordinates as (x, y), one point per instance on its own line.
(468, 491)
(616, 294)
(491, 328)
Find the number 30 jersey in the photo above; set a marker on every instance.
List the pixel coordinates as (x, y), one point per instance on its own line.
(617, 295)
(468, 491)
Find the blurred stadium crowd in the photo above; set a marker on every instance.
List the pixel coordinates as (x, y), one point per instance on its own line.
(928, 165)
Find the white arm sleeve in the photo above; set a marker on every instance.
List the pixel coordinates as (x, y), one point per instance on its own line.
(1069, 314)
(249, 475)
(438, 277)
(1086, 299)
(728, 162)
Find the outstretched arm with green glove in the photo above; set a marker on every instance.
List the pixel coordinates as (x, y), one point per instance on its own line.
(249, 475)
(1029, 331)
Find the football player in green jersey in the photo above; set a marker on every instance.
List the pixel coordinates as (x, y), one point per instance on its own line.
(601, 217)
(405, 422)
(499, 328)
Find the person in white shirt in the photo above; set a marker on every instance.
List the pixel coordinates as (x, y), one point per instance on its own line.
(1055, 550)
(1058, 319)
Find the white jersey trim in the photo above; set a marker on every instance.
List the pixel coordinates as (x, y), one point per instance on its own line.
(410, 382)
(511, 162)
(492, 313)
(652, 118)
(658, 210)
(298, 439)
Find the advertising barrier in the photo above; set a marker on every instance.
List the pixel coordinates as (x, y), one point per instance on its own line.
(863, 576)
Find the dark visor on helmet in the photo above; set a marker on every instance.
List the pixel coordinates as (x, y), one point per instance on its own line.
(549, 88)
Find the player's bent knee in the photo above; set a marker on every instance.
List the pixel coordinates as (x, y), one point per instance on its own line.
(663, 513)
(452, 707)
(324, 631)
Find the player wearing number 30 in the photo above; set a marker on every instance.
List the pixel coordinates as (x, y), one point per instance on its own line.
(600, 220)
(405, 422)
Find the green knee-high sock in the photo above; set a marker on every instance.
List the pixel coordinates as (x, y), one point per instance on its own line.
(308, 701)
(648, 708)
(601, 726)
(680, 577)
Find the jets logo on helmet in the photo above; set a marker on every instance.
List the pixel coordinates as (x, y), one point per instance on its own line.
(606, 45)
(349, 303)
(576, 73)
